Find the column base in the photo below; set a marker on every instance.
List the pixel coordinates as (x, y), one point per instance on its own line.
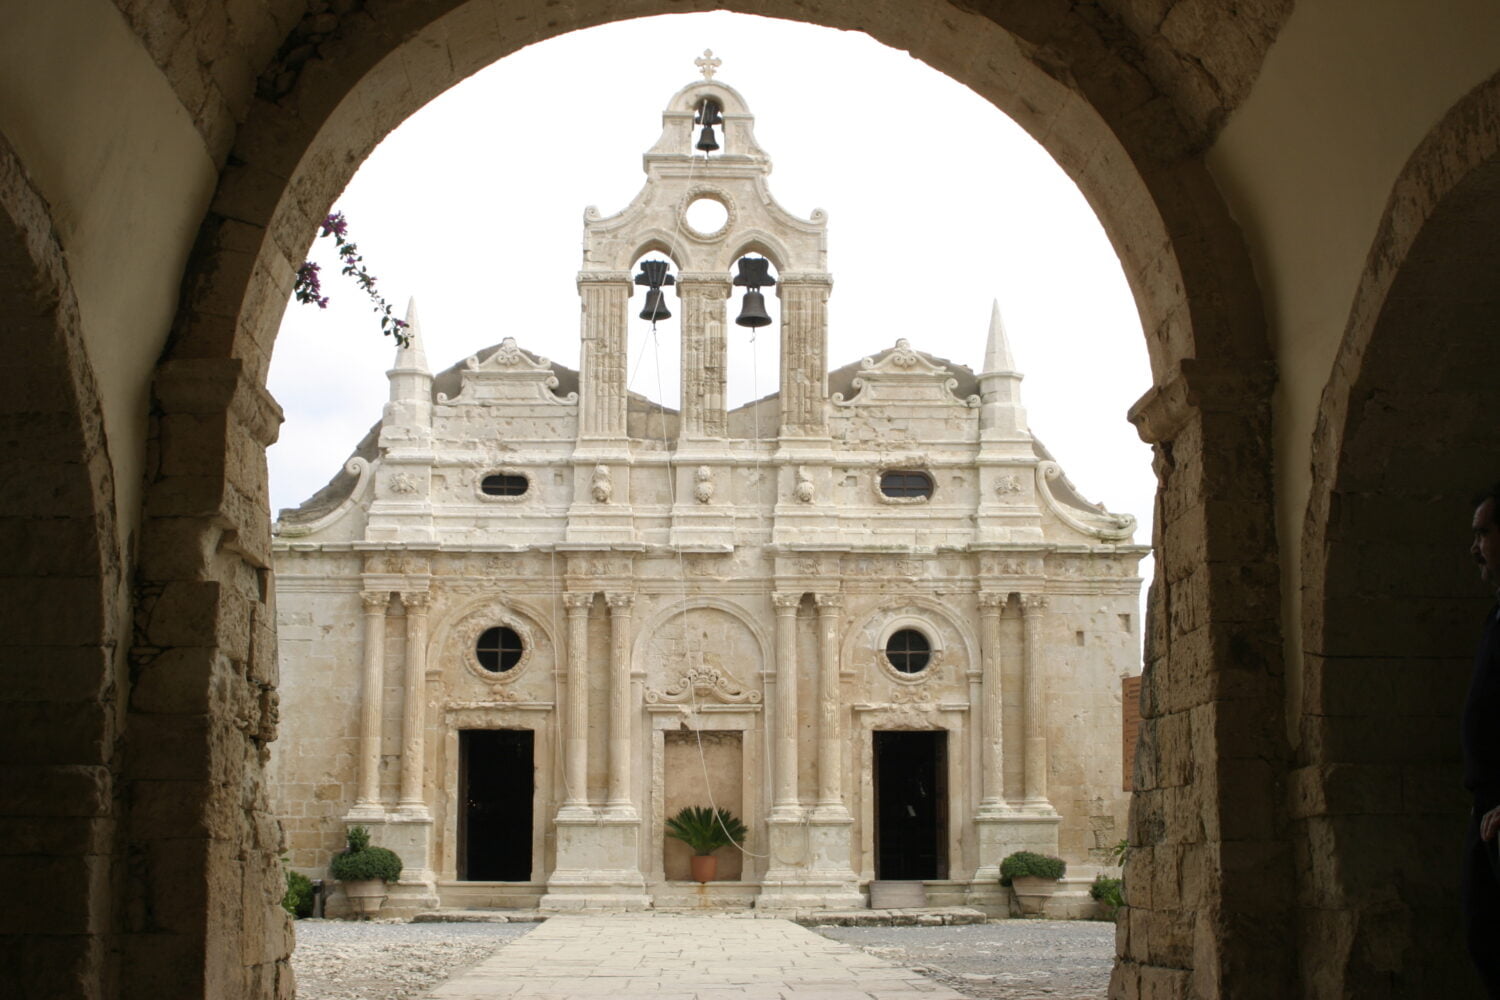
(810, 863)
(598, 865)
(1003, 835)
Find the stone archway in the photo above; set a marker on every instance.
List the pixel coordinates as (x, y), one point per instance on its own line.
(63, 609)
(1130, 137)
(1407, 435)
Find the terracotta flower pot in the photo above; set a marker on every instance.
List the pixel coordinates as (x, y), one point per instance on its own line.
(704, 867)
(365, 895)
(1032, 893)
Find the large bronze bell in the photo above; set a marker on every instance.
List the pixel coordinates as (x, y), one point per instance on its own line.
(753, 311)
(656, 306)
(706, 141)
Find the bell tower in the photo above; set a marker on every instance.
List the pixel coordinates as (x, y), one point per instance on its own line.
(707, 151)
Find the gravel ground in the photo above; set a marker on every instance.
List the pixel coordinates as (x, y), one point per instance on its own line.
(1005, 960)
(349, 960)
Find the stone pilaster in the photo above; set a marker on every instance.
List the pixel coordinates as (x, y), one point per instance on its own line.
(367, 799)
(576, 722)
(703, 355)
(413, 716)
(804, 349)
(602, 366)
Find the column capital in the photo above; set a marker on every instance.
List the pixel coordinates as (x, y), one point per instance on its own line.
(620, 603)
(829, 603)
(577, 601)
(993, 600)
(704, 281)
(604, 278)
(1032, 604)
(375, 601)
(416, 602)
(785, 602)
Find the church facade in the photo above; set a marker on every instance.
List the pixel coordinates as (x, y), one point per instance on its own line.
(536, 614)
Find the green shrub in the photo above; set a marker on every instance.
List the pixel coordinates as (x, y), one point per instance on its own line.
(298, 900)
(705, 830)
(1108, 891)
(361, 861)
(1024, 863)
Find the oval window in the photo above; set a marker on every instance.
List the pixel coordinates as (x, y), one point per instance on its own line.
(908, 651)
(505, 484)
(904, 484)
(499, 649)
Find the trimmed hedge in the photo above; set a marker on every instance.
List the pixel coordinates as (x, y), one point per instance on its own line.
(1024, 863)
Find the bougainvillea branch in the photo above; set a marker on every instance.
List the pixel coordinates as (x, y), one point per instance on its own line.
(308, 287)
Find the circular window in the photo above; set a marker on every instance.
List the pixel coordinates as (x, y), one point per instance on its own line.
(505, 484)
(908, 651)
(905, 484)
(499, 649)
(706, 216)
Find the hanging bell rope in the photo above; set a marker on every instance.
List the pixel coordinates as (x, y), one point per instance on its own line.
(654, 275)
(754, 275)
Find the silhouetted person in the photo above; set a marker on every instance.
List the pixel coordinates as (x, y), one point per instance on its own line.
(1481, 746)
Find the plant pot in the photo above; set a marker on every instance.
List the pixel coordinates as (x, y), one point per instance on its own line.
(365, 895)
(704, 867)
(1032, 893)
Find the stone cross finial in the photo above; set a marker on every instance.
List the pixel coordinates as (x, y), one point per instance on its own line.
(707, 63)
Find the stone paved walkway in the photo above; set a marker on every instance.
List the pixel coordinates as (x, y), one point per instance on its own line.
(684, 958)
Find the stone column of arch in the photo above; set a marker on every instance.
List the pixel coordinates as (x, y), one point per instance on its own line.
(992, 706)
(576, 722)
(830, 731)
(804, 349)
(372, 707)
(785, 803)
(621, 732)
(602, 360)
(703, 355)
(1032, 608)
(413, 716)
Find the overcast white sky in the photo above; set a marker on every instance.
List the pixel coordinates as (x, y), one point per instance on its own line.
(938, 204)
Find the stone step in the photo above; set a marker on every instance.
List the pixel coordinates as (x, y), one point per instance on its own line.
(474, 916)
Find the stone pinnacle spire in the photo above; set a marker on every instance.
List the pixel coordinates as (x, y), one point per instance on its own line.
(997, 357)
(412, 356)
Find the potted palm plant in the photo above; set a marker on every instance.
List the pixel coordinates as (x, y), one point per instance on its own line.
(1033, 878)
(705, 830)
(364, 871)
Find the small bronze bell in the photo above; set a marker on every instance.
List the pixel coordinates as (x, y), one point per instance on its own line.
(753, 311)
(708, 115)
(706, 141)
(656, 306)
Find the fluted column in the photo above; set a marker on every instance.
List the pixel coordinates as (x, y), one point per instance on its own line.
(372, 698)
(992, 737)
(1032, 608)
(785, 758)
(621, 735)
(830, 730)
(413, 716)
(576, 732)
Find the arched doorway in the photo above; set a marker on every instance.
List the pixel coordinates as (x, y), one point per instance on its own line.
(1392, 610)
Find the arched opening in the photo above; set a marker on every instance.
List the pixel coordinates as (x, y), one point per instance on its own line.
(1393, 609)
(1152, 211)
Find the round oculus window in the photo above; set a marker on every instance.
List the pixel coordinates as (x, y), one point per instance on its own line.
(905, 484)
(499, 649)
(504, 484)
(908, 650)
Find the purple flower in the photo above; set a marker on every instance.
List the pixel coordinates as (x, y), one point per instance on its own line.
(335, 224)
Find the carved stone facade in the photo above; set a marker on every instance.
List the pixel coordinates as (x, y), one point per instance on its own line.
(892, 593)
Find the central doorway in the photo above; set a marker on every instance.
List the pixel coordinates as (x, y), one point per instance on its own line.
(911, 805)
(496, 779)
